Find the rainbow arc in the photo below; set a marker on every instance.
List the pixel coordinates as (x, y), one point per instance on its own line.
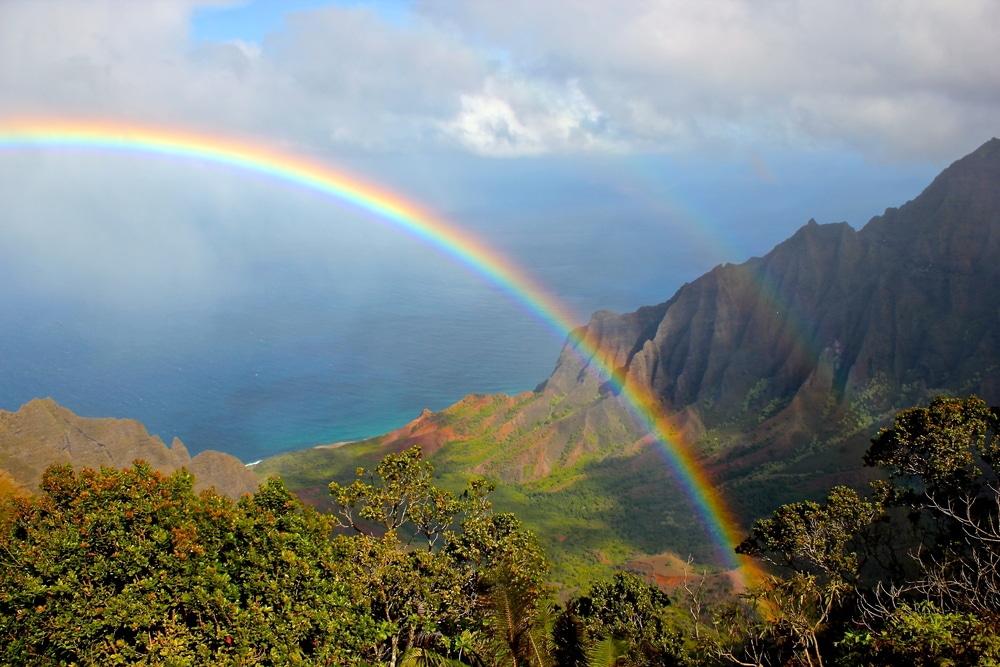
(447, 238)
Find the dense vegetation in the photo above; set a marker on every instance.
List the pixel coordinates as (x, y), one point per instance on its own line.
(590, 514)
(123, 567)
(133, 567)
(908, 576)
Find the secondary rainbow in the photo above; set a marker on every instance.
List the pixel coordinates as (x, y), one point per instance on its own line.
(19, 135)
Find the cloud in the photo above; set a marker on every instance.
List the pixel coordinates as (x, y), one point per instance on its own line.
(445, 83)
(671, 75)
(507, 119)
(895, 78)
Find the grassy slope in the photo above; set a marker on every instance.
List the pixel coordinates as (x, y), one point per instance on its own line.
(602, 502)
(577, 477)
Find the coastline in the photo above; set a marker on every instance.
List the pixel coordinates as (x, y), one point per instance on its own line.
(333, 445)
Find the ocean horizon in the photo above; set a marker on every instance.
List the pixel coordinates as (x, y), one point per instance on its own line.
(255, 319)
(275, 371)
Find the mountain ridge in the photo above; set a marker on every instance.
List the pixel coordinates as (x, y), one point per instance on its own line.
(777, 371)
(42, 433)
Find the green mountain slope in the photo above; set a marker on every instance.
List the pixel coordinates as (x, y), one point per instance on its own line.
(778, 370)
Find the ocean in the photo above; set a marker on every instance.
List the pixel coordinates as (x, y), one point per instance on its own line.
(255, 319)
(274, 371)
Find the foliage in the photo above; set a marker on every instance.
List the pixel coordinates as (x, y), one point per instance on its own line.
(786, 618)
(398, 492)
(479, 574)
(112, 567)
(592, 512)
(829, 541)
(133, 567)
(943, 462)
(940, 449)
(909, 577)
(122, 567)
(621, 621)
(922, 636)
(780, 621)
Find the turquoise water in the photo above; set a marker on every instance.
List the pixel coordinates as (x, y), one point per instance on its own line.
(274, 371)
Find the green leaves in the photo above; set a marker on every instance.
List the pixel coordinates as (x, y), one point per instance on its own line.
(923, 636)
(812, 538)
(130, 566)
(398, 492)
(480, 576)
(864, 572)
(621, 621)
(937, 447)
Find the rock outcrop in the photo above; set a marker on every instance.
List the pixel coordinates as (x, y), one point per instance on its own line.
(42, 433)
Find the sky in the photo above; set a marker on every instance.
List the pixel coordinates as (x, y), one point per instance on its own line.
(614, 150)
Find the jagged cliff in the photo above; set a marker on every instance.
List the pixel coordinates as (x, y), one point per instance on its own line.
(910, 297)
(832, 325)
(826, 334)
(778, 371)
(42, 433)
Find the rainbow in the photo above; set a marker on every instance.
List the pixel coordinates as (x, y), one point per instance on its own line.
(312, 175)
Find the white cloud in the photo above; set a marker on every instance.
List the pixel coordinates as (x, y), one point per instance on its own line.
(908, 79)
(675, 73)
(515, 119)
(903, 78)
(489, 126)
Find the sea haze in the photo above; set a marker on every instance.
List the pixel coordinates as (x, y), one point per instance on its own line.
(248, 316)
(273, 371)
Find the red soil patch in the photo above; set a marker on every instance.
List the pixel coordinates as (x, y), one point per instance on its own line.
(424, 432)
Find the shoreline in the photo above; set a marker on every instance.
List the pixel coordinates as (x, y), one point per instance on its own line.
(335, 445)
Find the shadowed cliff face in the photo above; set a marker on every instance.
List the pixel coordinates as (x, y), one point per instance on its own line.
(42, 433)
(778, 371)
(910, 299)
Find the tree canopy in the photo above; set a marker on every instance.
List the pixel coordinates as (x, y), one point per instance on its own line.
(109, 566)
(911, 576)
(132, 567)
(475, 581)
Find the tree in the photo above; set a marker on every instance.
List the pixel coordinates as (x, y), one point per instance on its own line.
(432, 563)
(569, 639)
(945, 449)
(398, 492)
(624, 620)
(943, 463)
(131, 566)
(923, 636)
(831, 541)
(825, 547)
(912, 576)
(504, 570)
